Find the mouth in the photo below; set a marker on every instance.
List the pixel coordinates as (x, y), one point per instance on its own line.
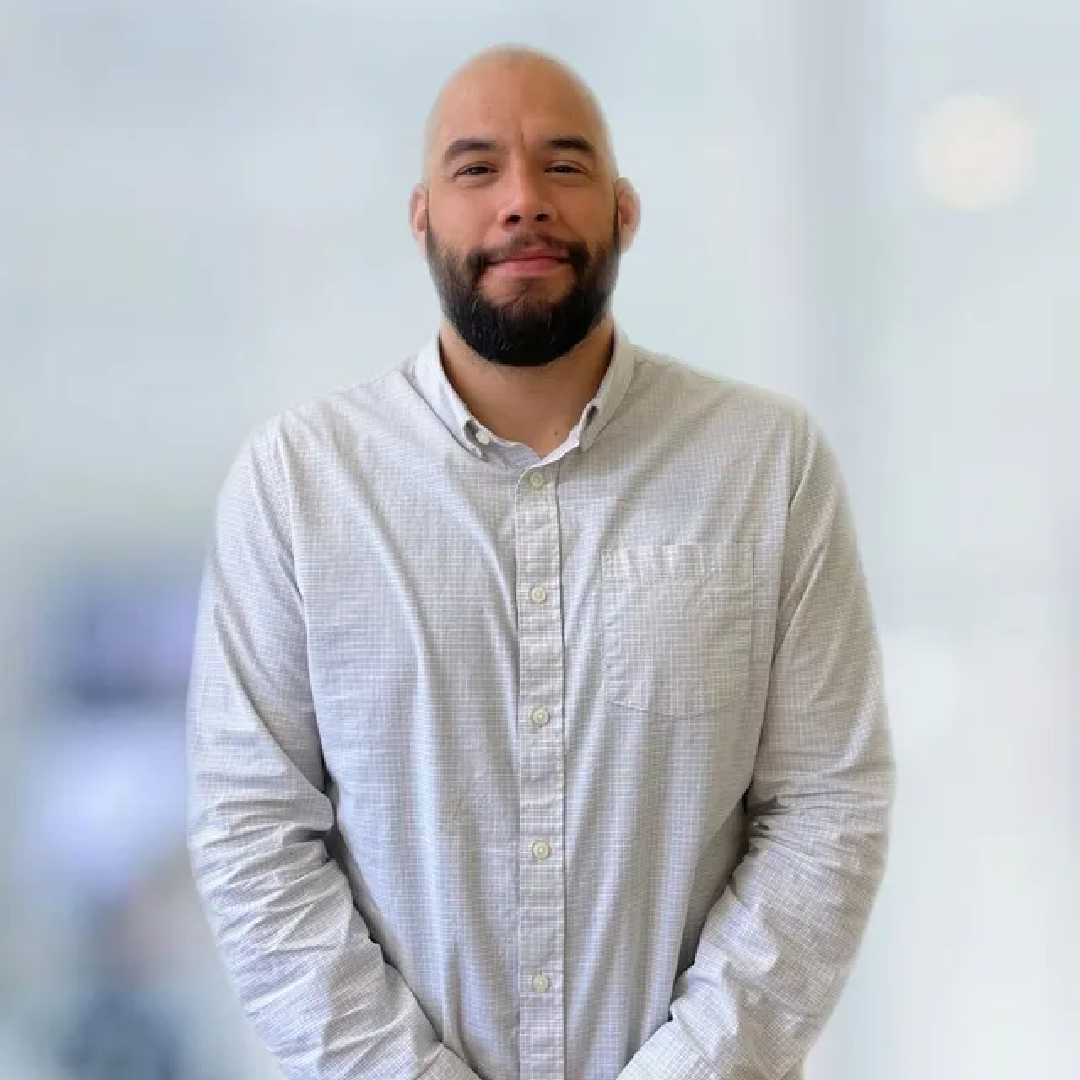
(529, 264)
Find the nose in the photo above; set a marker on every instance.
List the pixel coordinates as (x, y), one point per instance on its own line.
(526, 202)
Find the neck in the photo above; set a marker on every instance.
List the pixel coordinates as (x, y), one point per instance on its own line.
(537, 406)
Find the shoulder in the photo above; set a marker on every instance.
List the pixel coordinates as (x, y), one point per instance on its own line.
(329, 425)
(769, 432)
(741, 409)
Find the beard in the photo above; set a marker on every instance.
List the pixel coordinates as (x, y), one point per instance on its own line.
(526, 330)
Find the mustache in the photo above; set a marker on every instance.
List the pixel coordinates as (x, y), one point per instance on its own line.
(575, 253)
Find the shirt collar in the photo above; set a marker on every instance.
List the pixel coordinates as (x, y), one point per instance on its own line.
(437, 391)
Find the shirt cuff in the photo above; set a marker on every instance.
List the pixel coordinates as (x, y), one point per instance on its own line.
(448, 1066)
(666, 1055)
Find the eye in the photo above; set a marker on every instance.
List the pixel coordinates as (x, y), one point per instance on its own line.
(566, 167)
(473, 170)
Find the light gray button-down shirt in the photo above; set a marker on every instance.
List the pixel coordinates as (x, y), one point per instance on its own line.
(538, 769)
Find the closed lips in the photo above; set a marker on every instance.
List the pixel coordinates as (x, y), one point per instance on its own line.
(532, 256)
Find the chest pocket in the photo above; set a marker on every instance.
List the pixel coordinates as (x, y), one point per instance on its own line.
(677, 621)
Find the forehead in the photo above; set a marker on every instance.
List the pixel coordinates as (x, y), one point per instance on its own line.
(509, 101)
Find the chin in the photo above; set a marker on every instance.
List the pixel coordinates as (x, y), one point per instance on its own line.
(528, 289)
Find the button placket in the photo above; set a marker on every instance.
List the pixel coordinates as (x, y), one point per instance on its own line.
(541, 778)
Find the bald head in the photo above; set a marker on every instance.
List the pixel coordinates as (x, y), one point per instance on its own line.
(521, 213)
(512, 78)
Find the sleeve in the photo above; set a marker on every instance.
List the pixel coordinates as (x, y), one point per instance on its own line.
(310, 978)
(779, 943)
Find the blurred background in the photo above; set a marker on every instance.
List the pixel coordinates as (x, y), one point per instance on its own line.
(869, 206)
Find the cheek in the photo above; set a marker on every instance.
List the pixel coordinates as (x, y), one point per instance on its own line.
(591, 220)
(580, 210)
(466, 216)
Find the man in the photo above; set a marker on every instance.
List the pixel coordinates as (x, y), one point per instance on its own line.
(536, 725)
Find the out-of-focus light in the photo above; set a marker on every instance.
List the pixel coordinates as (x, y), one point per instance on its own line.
(976, 152)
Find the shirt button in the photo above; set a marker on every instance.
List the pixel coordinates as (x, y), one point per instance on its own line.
(541, 850)
(540, 716)
(482, 436)
(537, 479)
(538, 594)
(541, 983)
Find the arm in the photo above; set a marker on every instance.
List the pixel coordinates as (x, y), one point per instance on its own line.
(314, 984)
(779, 943)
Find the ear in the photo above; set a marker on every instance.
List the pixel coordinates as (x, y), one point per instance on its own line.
(418, 211)
(628, 206)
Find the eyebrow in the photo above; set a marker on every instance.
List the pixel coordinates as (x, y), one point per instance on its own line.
(471, 144)
(572, 142)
